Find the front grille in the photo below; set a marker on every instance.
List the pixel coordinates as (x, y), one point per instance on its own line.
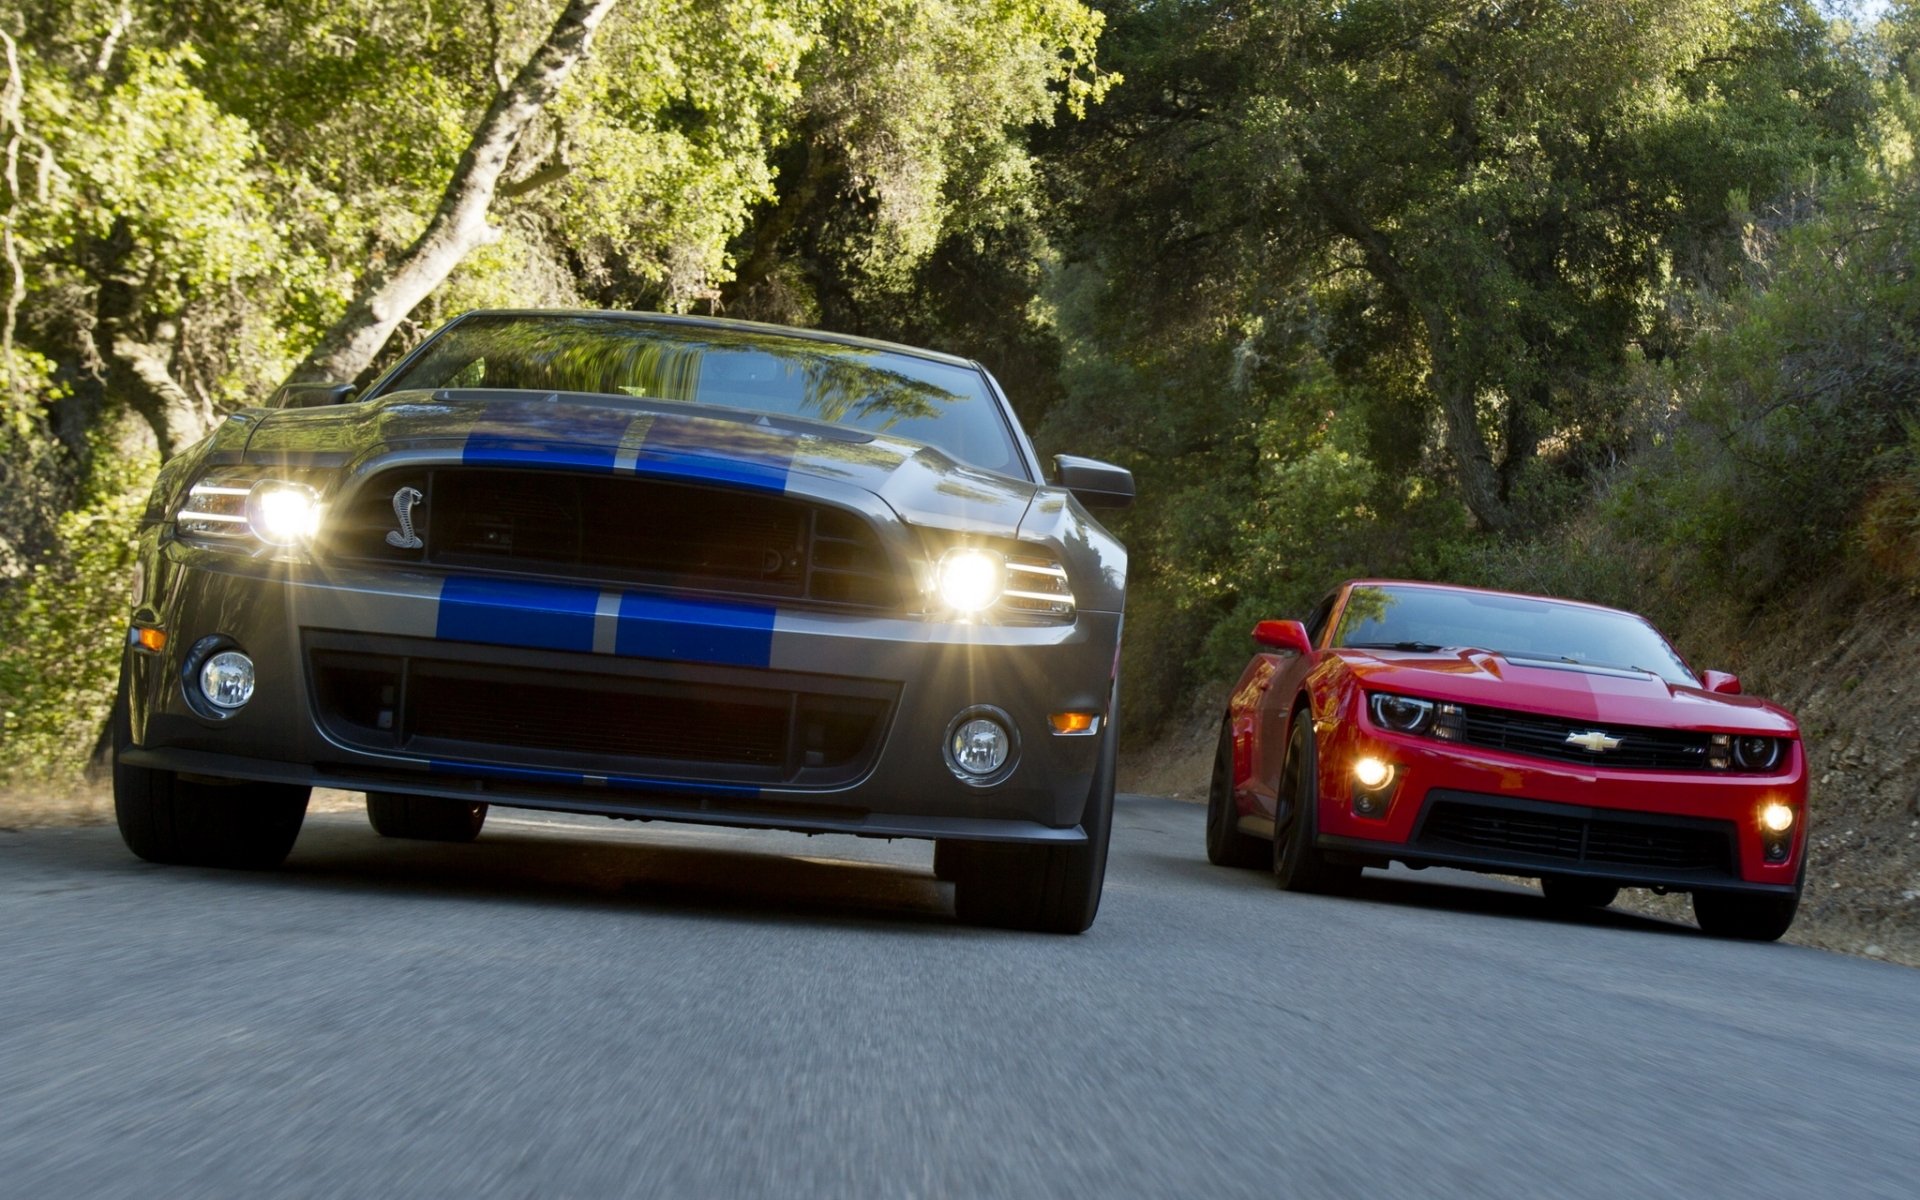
(1546, 737)
(620, 530)
(595, 723)
(1535, 833)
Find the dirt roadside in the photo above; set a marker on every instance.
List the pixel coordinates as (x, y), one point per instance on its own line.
(1858, 699)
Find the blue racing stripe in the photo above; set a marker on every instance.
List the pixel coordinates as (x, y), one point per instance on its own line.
(699, 787)
(541, 616)
(543, 433)
(736, 635)
(489, 450)
(730, 453)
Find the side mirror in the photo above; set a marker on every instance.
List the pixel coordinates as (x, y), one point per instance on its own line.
(1283, 635)
(311, 395)
(1720, 681)
(1094, 483)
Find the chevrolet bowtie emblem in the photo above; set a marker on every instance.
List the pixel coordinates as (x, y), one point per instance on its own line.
(1593, 740)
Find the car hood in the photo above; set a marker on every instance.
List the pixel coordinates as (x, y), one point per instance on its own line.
(920, 483)
(1603, 695)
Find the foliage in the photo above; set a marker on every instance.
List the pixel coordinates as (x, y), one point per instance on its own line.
(1484, 240)
(63, 627)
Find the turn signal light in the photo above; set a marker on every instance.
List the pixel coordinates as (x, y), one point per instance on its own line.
(1071, 722)
(148, 638)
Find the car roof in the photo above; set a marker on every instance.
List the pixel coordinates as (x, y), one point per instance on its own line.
(1461, 587)
(790, 331)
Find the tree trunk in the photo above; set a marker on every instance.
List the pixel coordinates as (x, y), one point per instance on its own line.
(1453, 383)
(459, 225)
(795, 202)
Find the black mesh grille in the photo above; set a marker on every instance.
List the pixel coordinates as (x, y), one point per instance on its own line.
(1536, 832)
(1546, 737)
(594, 723)
(619, 529)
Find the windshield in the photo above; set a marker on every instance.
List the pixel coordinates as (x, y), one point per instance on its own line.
(1519, 627)
(943, 405)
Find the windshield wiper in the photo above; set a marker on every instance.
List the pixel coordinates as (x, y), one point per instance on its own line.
(1418, 647)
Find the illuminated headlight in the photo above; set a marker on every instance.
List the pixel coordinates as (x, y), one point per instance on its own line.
(974, 581)
(238, 506)
(283, 514)
(971, 580)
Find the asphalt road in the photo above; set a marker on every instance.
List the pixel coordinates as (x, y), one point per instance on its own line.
(599, 1009)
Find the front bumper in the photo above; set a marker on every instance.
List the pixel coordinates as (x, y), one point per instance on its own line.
(501, 651)
(1487, 810)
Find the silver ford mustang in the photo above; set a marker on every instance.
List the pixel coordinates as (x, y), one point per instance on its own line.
(640, 566)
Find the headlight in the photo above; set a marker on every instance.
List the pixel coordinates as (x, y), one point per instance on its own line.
(1401, 714)
(250, 508)
(1755, 753)
(975, 581)
(971, 580)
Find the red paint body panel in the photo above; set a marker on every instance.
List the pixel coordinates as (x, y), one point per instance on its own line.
(1332, 684)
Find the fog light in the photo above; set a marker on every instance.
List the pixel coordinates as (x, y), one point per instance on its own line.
(1370, 772)
(980, 747)
(1777, 817)
(226, 680)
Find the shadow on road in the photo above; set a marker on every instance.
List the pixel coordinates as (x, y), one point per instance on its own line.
(579, 866)
(1439, 890)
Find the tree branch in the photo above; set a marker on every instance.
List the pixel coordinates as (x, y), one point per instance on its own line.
(459, 224)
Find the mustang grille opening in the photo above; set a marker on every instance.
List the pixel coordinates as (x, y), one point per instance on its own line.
(620, 530)
(593, 723)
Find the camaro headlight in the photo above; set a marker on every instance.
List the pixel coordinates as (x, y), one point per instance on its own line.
(976, 581)
(1753, 753)
(1401, 714)
(1745, 751)
(250, 508)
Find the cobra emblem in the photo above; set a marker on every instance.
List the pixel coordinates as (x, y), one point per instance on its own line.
(403, 501)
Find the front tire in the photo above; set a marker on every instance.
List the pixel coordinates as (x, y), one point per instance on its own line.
(1045, 889)
(1299, 865)
(1226, 845)
(1746, 918)
(166, 819)
(425, 818)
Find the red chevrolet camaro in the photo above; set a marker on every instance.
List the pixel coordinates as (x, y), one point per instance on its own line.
(1450, 726)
